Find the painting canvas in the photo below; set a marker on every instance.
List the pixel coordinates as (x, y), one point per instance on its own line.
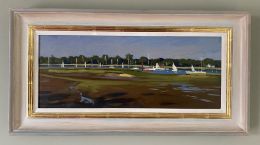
(130, 70)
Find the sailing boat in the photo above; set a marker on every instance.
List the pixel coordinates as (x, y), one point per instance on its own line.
(111, 66)
(174, 68)
(62, 64)
(194, 72)
(155, 68)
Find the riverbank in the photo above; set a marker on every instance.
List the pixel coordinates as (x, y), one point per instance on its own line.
(119, 88)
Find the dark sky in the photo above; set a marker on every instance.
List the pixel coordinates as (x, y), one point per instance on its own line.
(175, 47)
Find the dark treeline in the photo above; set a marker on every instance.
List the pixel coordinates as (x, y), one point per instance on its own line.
(128, 59)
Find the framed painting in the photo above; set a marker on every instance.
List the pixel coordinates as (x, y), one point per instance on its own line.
(80, 71)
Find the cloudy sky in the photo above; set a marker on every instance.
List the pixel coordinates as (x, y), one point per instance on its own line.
(176, 47)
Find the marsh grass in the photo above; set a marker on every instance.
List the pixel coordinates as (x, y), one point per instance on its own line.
(143, 89)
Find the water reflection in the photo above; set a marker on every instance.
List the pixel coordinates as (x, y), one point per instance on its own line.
(183, 72)
(189, 88)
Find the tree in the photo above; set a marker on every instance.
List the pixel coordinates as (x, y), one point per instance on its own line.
(72, 60)
(95, 59)
(65, 60)
(54, 60)
(129, 57)
(118, 59)
(43, 60)
(167, 61)
(104, 58)
(207, 61)
(143, 60)
(81, 59)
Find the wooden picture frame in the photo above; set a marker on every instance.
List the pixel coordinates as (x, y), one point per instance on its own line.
(28, 25)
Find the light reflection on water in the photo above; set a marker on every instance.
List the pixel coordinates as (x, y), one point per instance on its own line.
(190, 88)
(187, 88)
(183, 72)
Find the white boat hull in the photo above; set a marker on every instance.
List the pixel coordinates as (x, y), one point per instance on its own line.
(195, 73)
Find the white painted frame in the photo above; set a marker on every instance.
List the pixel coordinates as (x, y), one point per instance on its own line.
(20, 123)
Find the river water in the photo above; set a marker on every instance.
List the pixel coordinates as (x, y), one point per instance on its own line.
(183, 72)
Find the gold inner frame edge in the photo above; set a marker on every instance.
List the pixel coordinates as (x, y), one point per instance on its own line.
(31, 33)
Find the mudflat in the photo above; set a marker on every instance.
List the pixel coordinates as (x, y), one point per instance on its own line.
(120, 88)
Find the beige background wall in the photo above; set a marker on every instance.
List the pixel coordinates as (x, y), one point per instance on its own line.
(253, 6)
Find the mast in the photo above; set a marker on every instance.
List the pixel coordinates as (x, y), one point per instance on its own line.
(76, 62)
(201, 65)
(128, 61)
(148, 57)
(48, 61)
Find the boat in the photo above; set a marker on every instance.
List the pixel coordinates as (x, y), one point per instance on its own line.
(112, 67)
(135, 68)
(194, 72)
(62, 64)
(86, 100)
(174, 68)
(154, 68)
(149, 69)
(157, 67)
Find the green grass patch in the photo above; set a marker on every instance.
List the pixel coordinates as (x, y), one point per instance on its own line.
(140, 78)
